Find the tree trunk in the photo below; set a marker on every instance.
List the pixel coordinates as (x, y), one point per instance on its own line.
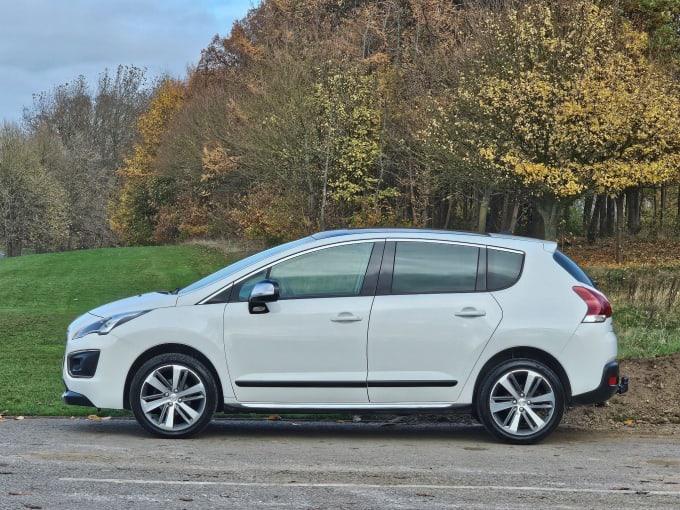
(484, 210)
(609, 223)
(13, 247)
(324, 192)
(595, 218)
(549, 210)
(633, 203)
(677, 218)
(620, 200)
(449, 209)
(515, 218)
(587, 212)
(663, 206)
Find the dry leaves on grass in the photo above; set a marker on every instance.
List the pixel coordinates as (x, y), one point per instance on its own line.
(636, 252)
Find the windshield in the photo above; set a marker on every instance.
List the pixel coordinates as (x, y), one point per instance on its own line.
(242, 264)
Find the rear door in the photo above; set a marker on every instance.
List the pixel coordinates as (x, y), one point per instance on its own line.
(429, 322)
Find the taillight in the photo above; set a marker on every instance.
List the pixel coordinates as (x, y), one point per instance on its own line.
(598, 306)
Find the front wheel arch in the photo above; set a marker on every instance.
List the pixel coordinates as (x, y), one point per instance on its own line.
(176, 349)
(173, 395)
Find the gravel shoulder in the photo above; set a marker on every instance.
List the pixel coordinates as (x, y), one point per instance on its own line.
(652, 403)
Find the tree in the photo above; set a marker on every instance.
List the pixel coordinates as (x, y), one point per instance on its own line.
(143, 192)
(82, 137)
(32, 203)
(562, 96)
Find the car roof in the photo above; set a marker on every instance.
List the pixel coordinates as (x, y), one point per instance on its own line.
(417, 232)
(390, 231)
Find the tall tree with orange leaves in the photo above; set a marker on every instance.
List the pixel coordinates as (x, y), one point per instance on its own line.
(143, 192)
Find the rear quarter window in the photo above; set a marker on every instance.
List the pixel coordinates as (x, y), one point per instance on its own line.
(503, 268)
(572, 268)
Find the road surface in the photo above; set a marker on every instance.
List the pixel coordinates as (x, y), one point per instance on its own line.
(113, 464)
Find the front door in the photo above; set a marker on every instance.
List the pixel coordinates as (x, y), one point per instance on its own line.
(311, 345)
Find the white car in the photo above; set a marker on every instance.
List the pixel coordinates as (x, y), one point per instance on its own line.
(361, 321)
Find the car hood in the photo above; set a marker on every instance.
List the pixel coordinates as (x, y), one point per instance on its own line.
(149, 301)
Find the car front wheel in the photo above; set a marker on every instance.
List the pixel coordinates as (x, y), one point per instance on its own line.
(173, 395)
(521, 401)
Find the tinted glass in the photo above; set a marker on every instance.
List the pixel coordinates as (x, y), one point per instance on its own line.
(421, 268)
(503, 268)
(247, 285)
(242, 264)
(572, 268)
(335, 271)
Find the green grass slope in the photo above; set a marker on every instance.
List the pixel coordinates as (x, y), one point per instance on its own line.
(41, 294)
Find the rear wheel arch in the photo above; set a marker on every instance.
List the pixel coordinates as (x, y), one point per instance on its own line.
(174, 349)
(529, 353)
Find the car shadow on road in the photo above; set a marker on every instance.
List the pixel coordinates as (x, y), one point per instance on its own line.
(338, 429)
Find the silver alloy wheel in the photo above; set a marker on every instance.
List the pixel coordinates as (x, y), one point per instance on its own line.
(173, 397)
(522, 402)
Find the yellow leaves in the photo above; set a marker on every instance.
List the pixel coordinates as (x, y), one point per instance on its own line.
(216, 162)
(564, 98)
(167, 100)
(561, 181)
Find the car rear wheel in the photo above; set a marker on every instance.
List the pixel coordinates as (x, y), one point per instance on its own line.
(173, 395)
(521, 401)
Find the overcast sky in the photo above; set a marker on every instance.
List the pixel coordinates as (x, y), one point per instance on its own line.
(44, 43)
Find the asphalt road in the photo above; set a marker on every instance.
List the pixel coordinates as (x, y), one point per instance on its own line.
(73, 464)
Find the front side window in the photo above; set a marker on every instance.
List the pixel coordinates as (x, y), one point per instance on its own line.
(328, 272)
(421, 268)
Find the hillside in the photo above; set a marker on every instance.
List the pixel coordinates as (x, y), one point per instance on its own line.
(41, 294)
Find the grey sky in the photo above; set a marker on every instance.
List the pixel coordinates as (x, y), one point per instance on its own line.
(44, 43)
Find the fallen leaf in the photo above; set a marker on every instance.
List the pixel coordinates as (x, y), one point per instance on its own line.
(93, 417)
(274, 417)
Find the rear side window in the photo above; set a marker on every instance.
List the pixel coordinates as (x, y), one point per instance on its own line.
(422, 268)
(572, 268)
(503, 268)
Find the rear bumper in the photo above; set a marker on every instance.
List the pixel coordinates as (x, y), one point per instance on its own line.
(610, 385)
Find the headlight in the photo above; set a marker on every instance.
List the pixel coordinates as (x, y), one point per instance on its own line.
(104, 326)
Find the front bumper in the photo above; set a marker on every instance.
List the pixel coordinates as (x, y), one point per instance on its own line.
(610, 385)
(76, 399)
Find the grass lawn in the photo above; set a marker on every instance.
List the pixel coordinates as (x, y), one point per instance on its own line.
(41, 294)
(646, 304)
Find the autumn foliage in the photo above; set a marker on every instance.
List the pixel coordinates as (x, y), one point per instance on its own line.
(536, 117)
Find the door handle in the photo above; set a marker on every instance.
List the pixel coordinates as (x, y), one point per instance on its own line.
(346, 317)
(470, 311)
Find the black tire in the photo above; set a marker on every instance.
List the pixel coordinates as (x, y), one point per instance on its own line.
(521, 401)
(173, 396)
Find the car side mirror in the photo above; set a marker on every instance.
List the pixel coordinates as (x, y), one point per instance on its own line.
(262, 293)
